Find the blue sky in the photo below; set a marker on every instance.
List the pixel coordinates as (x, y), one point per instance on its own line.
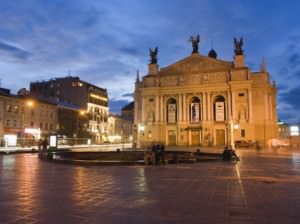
(105, 42)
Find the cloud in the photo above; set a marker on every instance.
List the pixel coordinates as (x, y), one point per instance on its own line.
(129, 50)
(292, 97)
(294, 60)
(14, 51)
(128, 95)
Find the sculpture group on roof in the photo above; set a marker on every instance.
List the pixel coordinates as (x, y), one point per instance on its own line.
(195, 41)
(238, 46)
(153, 55)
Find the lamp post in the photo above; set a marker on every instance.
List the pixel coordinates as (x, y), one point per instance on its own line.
(27, 104)
(232, 128)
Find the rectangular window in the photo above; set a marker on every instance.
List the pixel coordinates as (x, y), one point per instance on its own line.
(16, 109)
(220, 111)
(195, 114)
(243, 133)
(171, 113)
(15, 124)
(31, 124)
(241, 94)
(7, 123)
(8, 108)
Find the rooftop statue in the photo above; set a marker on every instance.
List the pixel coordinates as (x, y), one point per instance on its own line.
(153, 55)
(238, 46)
(195, 41)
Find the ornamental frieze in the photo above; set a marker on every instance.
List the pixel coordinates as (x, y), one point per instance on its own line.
(194, 79)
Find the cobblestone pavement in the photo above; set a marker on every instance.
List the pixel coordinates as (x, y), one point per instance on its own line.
(264, 187)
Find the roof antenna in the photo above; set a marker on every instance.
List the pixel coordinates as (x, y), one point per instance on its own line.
(69, 72)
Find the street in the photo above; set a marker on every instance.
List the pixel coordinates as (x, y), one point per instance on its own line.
(263, 187)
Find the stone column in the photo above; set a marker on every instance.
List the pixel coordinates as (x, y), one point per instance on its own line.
(184, 107)
(157, 114)
(250, 105)
(143, 109)
(180, 107)
(204, 106)
(271, 106)
(266, 107)
(162, 109)
(233, 105)
(229, 112)
(136, 105)
(208, 107)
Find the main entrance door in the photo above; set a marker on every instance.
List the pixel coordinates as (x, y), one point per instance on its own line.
(171, 137)
(220, 137)
(195, 138)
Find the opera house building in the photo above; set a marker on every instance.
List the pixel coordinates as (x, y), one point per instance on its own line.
(204, 101)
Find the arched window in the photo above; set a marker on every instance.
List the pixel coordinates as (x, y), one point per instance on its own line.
(219, 108)
(195, 112)
(171, 110)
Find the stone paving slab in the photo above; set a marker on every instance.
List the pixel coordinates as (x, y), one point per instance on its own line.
(264, 187)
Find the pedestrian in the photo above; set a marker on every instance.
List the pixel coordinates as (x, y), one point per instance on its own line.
(40, 144)
(44, 147)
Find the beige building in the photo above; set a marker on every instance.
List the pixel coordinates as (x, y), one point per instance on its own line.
(202, 100)
(119, 129)
(90, 98)
(26, 119)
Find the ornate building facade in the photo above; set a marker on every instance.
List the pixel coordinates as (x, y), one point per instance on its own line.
(202, 100)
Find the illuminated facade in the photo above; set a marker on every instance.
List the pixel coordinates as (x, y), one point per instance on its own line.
(119, 129)
(89, 98)
(26, 118)
(202, 100)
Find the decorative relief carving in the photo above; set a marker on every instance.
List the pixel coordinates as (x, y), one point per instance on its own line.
(192, 79)
(169, 81)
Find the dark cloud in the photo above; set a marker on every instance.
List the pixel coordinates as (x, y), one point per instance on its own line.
(129, 50)
(115, 106)
(14, 51)
(128, 95)
(296, 74)
(92, 17)
(291, 97)
(294, 60)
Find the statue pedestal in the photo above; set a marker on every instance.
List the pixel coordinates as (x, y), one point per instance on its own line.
(153, 69)
(239, 61)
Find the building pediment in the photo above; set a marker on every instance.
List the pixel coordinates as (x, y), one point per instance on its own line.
(196, 64)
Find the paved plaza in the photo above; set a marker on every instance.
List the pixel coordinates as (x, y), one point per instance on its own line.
(263, 187)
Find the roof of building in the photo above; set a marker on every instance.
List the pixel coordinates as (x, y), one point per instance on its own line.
(129, 106)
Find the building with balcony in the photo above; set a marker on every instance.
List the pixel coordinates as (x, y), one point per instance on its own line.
(26, 119)
(89, 98)
(203, 100)
(119, 129)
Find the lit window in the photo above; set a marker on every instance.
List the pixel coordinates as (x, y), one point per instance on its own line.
(8, 108)
(294, 131)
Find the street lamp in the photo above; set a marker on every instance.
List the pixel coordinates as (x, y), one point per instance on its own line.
(28, 103)
(232, 128)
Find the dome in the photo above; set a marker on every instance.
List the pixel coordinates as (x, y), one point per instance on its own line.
(212, 53)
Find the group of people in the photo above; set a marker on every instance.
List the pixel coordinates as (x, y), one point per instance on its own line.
(155, 155)
(229, 154)
(42, 147)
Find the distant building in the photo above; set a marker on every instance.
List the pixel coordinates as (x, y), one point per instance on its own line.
(25, 118)
(202, 100)
(89, 98)
(119, 129)
(128, 111)
(72, 124)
